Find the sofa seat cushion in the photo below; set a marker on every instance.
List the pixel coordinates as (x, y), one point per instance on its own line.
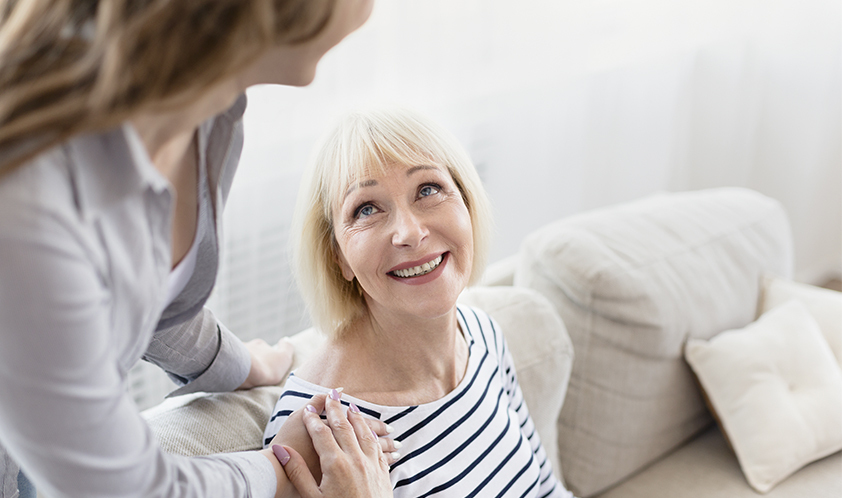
(706, 467)
(632, 283)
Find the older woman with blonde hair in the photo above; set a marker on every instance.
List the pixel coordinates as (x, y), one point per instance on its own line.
(120, 132)
(393, 223)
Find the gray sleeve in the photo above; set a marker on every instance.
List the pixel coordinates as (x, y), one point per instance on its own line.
(200, 355)
(65, 415)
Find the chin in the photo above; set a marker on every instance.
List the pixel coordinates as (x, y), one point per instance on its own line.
(301, 78)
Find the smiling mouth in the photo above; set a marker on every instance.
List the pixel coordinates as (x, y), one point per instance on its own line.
(417, 271)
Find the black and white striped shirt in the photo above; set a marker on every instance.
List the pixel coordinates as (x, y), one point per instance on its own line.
(478, 440)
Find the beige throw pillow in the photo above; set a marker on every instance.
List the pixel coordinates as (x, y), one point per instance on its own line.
(824, 304)
(777, 391)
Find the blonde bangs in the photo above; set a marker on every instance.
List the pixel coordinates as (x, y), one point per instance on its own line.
(365, 145)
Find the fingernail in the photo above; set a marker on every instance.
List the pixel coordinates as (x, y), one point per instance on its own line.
(389, 429)
(334, 395)
(397, 444)
(354, 408)
(374, 434)
(310, 408)
(280, 453)
(395, 455)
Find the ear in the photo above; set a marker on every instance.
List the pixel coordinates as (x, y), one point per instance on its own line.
(344, 267)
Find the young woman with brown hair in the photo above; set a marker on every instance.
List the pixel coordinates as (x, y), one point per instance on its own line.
(120, 131)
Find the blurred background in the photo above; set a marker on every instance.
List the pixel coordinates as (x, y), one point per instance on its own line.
(564, 106)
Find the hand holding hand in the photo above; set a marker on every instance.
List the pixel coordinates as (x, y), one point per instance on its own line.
(353, 462)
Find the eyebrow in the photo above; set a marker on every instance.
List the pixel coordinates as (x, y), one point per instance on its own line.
(419, 168)
(355, 186)
(371, 183)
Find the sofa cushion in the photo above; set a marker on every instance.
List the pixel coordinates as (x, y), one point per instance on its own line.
(203, 424)
(777, 390)
(632, 283)
(706, 468)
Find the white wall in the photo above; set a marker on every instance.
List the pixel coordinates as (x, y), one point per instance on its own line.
(564, 105)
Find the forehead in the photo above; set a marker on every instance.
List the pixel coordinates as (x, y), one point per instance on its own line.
(369, 176)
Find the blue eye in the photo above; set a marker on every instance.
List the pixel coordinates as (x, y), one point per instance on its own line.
(364, 210)
(428, 190)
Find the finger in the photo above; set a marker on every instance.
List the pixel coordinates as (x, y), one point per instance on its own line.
(366, 437)
(378, 426)
(258, 342)
(321, 434)
(338, 422)
(299, 475)
(390, 448)
(284, 345)
(318, 402)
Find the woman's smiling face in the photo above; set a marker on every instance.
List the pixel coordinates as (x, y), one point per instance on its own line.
(406, 236)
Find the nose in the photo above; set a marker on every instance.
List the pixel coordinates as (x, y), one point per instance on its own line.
(409, 230)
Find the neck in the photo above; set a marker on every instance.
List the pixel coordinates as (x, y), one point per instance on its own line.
(397, 360)
(167, 134)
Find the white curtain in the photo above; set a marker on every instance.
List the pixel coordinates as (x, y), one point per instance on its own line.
(565, 106)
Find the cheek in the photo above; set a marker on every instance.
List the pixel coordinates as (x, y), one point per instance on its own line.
(354, 254)
(462, 223)
(341, 256)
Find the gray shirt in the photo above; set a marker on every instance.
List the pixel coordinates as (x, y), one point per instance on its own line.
(84, 261)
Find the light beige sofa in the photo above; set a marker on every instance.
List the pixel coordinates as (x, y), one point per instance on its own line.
(596, 309)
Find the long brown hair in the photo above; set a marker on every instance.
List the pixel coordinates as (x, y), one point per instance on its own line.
(76, 66)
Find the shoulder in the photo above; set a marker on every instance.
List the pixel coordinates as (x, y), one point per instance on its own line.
(477, 320)
(37, 193)
(482, 328)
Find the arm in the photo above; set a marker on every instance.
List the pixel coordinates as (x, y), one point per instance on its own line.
(65, 415)
(201, 354)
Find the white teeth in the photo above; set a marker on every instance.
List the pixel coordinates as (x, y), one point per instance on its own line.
(419, 270)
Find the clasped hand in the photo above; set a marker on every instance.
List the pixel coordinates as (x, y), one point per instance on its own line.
(345, 451)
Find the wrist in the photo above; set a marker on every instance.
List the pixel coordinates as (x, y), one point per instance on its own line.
(284, 487)
(254, 375)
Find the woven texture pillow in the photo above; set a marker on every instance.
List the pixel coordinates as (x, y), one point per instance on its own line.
(204, 424)
(632, 283)
(777, 390)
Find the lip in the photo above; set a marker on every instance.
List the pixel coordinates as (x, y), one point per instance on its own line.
(423, 279)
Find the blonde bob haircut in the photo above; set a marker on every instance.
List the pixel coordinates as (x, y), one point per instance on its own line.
(76, 66)
(365, 144)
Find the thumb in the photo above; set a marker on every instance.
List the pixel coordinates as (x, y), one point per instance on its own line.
(299, 475)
